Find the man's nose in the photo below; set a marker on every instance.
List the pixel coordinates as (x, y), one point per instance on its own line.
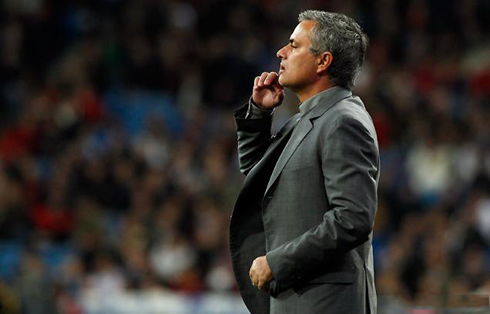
(280, 53)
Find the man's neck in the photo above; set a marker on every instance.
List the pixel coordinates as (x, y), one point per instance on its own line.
(312, 90)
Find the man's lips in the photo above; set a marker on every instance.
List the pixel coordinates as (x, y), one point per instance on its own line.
(281, 68)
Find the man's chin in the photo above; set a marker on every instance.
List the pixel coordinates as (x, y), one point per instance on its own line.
(282, 81)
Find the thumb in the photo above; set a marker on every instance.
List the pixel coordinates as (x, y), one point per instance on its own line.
(280, 94)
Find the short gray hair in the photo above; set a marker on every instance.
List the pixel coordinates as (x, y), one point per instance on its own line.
(343, 38)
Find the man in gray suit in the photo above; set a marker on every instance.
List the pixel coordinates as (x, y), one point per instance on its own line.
(301, 230)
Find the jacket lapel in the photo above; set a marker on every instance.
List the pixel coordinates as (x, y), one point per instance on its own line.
(322, 103)
(301, 130)
(280, 140)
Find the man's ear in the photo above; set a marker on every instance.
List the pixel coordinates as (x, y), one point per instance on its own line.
(324, 61)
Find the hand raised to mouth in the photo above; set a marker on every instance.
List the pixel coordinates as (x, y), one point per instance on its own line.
(267, 93)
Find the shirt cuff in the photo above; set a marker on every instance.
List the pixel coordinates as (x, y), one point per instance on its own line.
(255, 112)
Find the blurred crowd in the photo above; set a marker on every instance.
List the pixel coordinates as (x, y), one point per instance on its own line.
(118, 165)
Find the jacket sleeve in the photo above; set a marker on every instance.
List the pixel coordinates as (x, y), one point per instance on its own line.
(254, 133)
(350, 165)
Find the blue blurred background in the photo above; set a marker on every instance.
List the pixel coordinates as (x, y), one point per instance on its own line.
(118, 165)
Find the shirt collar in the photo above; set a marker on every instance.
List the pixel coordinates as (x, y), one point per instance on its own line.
(311, 102)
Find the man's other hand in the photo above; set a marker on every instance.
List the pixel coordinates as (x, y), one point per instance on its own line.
(260, 273)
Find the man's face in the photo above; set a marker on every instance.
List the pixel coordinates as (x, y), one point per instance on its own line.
(298, 68)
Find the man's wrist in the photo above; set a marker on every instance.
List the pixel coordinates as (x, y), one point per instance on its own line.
(256, 112)
(259, 106)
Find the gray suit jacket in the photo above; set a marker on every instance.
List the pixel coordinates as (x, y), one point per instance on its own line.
(308, 203)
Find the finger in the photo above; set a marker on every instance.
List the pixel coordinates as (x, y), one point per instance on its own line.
(256, 81)
(253, 280)
(271, 78)
(280, 95)
(261, 285)
(262, 79)
(278, 89)
(251, 272)
(276, 83)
